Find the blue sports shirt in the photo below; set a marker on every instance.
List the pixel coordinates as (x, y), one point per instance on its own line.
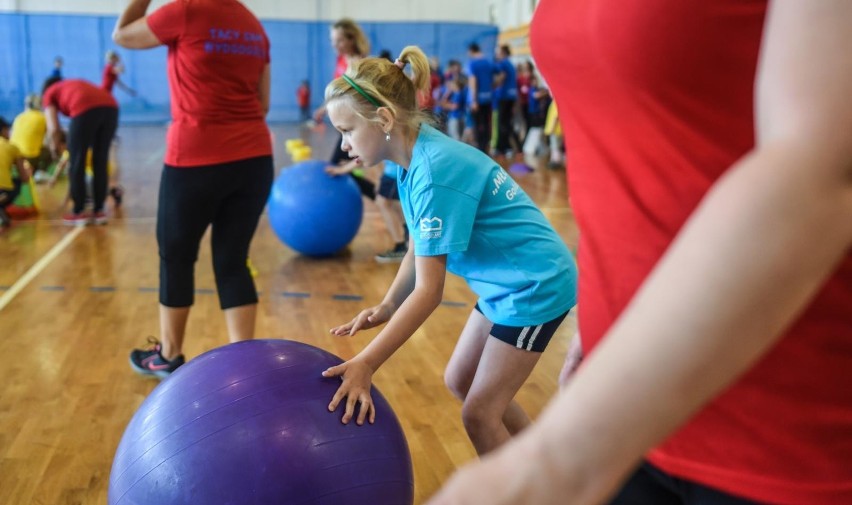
(509, 89)
(457, 201)
(483, 70)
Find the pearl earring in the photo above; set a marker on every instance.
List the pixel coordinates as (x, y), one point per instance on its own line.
(387, 136)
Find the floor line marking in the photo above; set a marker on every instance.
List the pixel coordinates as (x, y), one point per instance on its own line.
(40, 265)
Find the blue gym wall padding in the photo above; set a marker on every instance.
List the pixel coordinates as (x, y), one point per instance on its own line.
(300, 50)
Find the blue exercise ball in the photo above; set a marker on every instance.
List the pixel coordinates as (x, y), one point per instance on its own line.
(312, 212)
(248, 423)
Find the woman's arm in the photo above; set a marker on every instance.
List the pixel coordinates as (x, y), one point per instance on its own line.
(51, 116)
(745, 265)
(61, 165)
(130, 91)
(131, 29)
(263, 89)
(472, 85)
(23, 167)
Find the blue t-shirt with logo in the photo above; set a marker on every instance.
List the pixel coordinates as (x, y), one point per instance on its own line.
(457, 201)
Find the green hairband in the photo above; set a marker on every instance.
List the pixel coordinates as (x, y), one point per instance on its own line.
(361, 91)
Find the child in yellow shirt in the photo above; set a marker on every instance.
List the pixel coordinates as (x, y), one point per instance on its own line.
(10, 182)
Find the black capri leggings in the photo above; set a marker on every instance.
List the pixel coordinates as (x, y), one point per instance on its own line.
(93, 129)
(230, 197)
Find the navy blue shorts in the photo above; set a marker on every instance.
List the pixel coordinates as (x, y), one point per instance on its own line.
(531, 338)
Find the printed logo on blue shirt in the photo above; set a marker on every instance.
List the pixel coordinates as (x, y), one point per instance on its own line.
(431, 227)
(499, 179)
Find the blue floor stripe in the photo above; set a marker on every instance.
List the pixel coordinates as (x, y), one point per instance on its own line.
(454, 304)
(53, 288)
(347, 297)
(295, 294)
(146, 289)
(101, 289)
(205, 291)
(4, 288)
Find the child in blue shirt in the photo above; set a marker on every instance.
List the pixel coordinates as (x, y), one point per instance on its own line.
(480, 74)
(455, 105)
(465, 216)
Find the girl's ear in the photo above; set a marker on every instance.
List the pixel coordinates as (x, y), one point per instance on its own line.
(386, 118)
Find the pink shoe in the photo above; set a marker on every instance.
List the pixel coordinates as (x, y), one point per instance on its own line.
(100, 218)
(77, 219)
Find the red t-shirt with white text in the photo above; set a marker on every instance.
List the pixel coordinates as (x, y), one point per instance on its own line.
(217, 51)
(656, 100)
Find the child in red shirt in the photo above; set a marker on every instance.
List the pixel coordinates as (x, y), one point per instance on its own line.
(303, 98)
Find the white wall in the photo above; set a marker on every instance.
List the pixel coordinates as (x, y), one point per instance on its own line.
(475, 11)
(511, 13)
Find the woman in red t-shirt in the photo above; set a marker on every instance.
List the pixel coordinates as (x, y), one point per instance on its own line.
(94, 119)
(218, 164)
(710, 175)
(348, 39)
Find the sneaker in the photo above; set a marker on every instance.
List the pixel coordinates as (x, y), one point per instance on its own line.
(100, 218)
(151, 362)
(520, 168)
(76, 218)
(394, 255)
(117, 194)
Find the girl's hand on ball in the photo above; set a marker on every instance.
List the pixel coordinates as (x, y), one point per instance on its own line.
(357, 379)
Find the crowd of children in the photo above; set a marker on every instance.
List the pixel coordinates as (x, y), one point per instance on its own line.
(507, 95)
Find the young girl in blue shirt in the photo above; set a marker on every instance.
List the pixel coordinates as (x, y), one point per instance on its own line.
(465, 216)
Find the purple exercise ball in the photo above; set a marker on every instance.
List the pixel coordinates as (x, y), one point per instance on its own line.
(248, 423)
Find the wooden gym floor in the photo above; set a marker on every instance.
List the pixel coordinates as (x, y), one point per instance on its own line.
(74, 302)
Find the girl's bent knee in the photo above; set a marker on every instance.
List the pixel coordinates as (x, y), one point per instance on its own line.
(456, 384)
